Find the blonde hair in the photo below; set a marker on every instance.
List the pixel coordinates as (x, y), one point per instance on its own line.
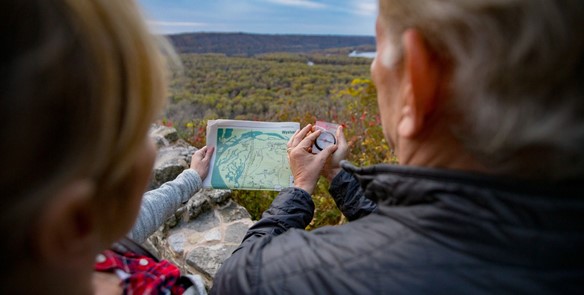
(517, 70)
(81, 83)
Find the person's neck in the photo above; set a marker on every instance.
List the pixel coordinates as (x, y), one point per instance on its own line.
(437, 149)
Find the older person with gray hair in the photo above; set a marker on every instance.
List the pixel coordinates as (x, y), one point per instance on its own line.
(483, 104)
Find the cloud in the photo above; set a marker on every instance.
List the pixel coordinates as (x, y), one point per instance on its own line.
(171, 27)
(300, 3)
(368, 8)
(176, 24)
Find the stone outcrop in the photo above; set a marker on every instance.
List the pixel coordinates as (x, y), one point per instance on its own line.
(203, 232)
(174, 155)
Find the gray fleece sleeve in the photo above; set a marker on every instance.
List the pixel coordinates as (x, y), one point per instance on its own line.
(159, 204)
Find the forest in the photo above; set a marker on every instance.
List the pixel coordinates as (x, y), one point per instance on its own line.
(244, 44)
(296, 87)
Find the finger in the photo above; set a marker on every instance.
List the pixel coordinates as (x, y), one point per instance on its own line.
(327, 152)
(341, 140)
(292, 138)
(203, 150)
(199, 154)
(209, 153)
(301, 135)
(308, 141)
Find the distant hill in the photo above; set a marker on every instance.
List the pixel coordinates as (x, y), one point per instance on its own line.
(252, 44)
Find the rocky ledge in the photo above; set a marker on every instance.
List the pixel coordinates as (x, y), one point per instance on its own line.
(203, 232)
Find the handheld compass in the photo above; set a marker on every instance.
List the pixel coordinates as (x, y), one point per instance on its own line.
(324, 140)
(327, 136)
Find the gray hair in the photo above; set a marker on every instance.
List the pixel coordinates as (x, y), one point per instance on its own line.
(517, 77)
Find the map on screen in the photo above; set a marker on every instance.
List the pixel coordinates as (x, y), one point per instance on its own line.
(249, 155)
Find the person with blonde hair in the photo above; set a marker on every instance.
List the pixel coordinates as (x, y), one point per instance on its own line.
(80, 84)
(482, 102)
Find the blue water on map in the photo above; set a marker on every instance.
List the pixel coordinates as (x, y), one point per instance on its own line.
(235, 160)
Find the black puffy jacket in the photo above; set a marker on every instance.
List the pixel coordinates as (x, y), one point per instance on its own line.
(427, 231)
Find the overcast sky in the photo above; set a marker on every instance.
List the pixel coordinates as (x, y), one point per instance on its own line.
(330, 17)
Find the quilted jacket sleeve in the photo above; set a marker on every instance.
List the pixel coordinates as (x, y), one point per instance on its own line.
(349, 197)
(293, 208)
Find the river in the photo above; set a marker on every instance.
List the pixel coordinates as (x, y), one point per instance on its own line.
(363, 54)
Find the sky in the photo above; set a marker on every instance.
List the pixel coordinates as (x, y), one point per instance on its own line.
(322, 17)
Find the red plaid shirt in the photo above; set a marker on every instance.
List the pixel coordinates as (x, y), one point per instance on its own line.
(145, 275)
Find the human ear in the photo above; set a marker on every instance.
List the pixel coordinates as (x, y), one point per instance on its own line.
(66, 231)
(422, 74)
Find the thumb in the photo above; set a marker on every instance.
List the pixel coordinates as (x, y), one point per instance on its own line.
(341, 136)
(327, 152)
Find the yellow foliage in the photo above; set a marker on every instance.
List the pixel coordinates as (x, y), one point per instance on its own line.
(283, 88)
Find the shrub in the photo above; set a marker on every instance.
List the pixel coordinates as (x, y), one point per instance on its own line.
(281, 88)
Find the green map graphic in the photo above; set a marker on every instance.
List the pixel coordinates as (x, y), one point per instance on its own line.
(251, 159)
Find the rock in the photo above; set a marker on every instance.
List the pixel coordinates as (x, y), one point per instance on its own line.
(176, 242)
(171, 222)
(208, 260)
(205, 222)
(233, 212)
(180, 212)
(235, 232)
(219, 197)
(212, 235)
(169, 164)
(162, 135)
(174, 155)
(204, 231)
(151, 247)
(197, 205)
(174, 219)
